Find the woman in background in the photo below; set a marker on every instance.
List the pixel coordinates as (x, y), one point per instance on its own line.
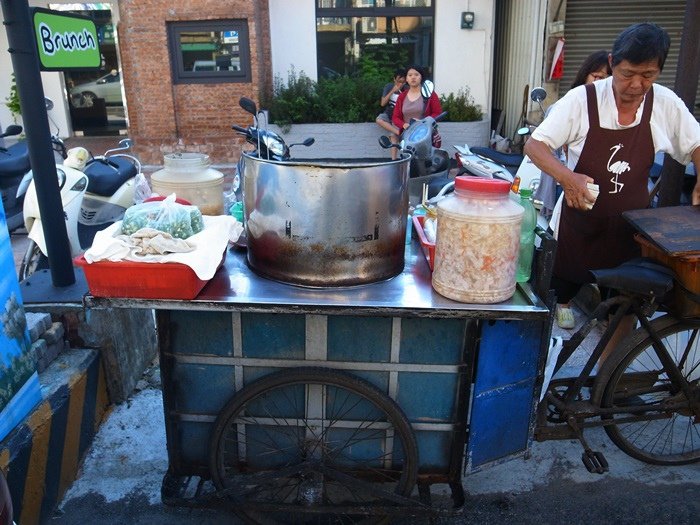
(411, 103)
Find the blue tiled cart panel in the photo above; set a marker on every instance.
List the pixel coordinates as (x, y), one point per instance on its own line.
(415, 361)
(421, 363)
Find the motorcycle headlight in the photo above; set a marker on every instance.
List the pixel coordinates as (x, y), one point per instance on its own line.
(61, 178)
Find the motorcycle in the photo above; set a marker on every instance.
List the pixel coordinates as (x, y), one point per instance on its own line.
(429, 164)
(491, 163)
(92, 197)
(268, 144)
(15, 172)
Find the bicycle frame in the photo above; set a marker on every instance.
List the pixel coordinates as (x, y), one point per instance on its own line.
(568, 404)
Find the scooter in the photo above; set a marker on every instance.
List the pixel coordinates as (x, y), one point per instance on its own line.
(15, 172)
(92, 198)
(268, 144)
(429, 165)
(491, 163)
(482, 162)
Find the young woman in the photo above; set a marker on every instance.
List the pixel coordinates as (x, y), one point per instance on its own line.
(411, 104)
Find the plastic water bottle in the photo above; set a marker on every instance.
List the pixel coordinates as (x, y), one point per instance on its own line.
(527, 237)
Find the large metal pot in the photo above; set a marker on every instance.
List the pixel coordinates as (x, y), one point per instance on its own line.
(326, 222)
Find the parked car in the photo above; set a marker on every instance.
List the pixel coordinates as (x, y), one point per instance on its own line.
(204, 65)
(107, 87)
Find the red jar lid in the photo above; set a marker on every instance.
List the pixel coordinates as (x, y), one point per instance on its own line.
(481, 184)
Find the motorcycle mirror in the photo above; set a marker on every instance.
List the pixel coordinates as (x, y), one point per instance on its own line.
(309, 141)
(538, 94)
(384, 142)
(427, 88)
(248, 105)
(48, 103)
(12, 130)
(523, 131)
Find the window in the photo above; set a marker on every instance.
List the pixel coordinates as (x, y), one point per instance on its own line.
(209, 51)
(391, 32)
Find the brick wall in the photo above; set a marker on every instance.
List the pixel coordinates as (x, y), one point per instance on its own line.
(166, 117)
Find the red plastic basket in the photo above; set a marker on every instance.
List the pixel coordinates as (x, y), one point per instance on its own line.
(428, 247)
(141, 280)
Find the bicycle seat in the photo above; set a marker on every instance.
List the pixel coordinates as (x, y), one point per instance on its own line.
(640, 276)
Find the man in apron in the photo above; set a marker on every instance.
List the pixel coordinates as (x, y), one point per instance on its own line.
(612, 129)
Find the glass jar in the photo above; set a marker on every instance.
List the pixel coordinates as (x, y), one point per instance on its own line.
(190, 177)
(478, 240)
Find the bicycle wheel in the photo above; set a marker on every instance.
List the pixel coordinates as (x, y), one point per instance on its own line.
(662, 434)
(311, 445)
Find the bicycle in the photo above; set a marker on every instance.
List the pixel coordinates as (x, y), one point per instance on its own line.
(646, 394)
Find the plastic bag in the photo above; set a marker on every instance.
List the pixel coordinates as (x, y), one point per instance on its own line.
(142, 190)
(168, 216)
(229, 200)
(230, 194)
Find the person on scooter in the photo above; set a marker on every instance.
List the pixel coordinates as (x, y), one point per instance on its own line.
(388, 101)
(412, 104)
(612, 129)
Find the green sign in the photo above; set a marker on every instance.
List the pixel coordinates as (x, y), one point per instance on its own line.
(65, 41)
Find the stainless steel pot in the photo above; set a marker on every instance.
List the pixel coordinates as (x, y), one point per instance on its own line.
(326, 222)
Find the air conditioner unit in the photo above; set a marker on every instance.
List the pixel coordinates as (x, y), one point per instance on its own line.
(369, 24)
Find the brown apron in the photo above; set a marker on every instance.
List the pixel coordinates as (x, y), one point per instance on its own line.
(619, 162)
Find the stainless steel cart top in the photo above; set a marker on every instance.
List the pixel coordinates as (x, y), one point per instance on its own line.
(236, 287)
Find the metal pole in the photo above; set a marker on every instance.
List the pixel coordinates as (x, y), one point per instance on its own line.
(686, 86)
(25, 62)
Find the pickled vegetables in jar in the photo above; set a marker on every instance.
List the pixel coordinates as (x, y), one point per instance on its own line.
(477, 245)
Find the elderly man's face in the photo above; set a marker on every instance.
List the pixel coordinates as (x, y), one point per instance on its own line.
(632, 81)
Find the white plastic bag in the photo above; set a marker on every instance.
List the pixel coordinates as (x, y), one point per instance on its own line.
(168, 216)
(142, 190)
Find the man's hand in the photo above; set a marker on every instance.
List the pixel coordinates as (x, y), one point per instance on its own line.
(696, 193)
(576, 192)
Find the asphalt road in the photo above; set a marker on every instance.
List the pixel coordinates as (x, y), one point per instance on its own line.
(601, 502)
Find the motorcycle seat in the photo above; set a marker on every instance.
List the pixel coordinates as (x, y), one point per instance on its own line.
(505, 159)
(106, 176)
(14, 161)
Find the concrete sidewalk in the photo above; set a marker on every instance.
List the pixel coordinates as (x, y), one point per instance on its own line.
(121, 477)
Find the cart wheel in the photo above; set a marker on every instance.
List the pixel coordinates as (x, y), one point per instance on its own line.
(312, 445)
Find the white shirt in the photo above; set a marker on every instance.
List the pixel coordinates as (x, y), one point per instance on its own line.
(674, 129)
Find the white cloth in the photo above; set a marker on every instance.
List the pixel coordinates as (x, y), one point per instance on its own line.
(149, 241)
(674, 130)
(204, 259)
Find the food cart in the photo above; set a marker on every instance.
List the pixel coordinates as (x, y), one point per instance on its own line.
(317, 374)
(445, 388)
